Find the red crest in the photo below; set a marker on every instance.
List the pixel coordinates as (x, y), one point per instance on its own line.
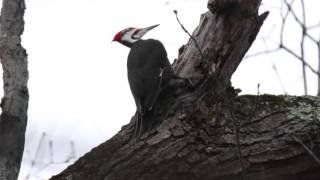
(117, 37)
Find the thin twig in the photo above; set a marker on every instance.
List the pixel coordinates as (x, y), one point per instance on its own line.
(275, 69)
(314, 26)
(33, 162)
(290, 10)
(268, 51)
(299, 58)
(236, 131)
(51, 151)
(283, 47)
(286, 11)
(284, 20)
(318, 45)
(303, 27)
(195, 42)
(307, 149)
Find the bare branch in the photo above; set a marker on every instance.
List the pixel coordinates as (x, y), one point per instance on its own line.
(318, 46)
(268, 51)
(314, 26)
(236, 132)
(299, 58)
(33, 162)
(301, 23)
(284, 18)
(303, 26)
(307, 149)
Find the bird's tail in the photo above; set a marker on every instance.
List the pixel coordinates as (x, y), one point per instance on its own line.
(139, 125)
(142, 122)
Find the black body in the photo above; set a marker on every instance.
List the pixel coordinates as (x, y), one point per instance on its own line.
(148, 71)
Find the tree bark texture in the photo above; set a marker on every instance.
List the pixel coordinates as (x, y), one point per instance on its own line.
(207, 132)
(203, 145)
(14, 104)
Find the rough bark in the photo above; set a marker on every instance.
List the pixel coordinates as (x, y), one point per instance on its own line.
(14, 104)
(224, 35)
(203, 146)
(194, 134)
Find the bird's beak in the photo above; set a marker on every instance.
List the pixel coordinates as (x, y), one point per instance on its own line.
(143, 31)
(150, 27)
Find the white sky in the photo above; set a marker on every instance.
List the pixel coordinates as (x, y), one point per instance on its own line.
(78, 82)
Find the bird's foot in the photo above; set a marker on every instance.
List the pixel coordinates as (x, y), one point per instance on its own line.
(138, 125)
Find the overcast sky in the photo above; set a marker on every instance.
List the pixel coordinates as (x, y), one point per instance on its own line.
(78, 82)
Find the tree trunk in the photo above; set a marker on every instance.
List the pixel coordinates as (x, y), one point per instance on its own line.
(206, 131)
(14, 104)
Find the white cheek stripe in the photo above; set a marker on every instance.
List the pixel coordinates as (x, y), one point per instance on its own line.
(128, 37)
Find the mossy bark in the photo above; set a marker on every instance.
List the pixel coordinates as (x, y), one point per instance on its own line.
(206, 131)
(199, 142)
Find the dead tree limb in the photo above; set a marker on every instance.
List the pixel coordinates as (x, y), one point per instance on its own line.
(194, 137)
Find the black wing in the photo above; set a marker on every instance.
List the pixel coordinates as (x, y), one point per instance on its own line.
(148, 69)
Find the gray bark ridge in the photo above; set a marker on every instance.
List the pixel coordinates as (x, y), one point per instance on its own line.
(204, 146)
(195, 136)
(14, 104)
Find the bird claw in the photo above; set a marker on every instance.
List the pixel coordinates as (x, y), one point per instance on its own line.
(138, 125)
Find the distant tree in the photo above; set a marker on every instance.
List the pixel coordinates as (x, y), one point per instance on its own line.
(208, 132)
(294, 14)
(14, 104)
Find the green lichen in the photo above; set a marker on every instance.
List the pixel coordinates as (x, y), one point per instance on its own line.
(248, 103)
(250, 107)
(297, 107)
(275, 102)
(304, 107)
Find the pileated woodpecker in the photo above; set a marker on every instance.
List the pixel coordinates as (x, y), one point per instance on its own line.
(148, 71)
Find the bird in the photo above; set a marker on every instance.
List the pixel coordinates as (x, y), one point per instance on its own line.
(148, 70)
